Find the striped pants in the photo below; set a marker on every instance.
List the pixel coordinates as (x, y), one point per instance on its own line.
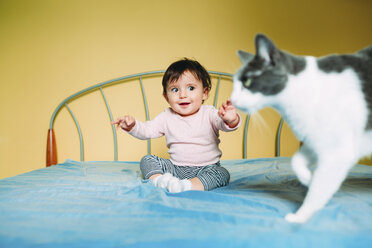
(211, 176)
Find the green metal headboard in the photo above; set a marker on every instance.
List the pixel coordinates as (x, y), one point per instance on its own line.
(51, 156)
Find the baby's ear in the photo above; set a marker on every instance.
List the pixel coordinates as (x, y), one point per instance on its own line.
(165, 96)
(205, 94)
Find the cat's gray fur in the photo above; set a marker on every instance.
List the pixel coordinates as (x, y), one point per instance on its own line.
(328, 103)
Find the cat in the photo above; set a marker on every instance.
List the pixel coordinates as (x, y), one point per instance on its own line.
(326, 101)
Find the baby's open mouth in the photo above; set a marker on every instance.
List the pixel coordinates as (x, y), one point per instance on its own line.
(184, 103)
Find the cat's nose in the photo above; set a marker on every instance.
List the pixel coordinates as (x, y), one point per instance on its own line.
(233, 98)
(234, 95)
(234, 103)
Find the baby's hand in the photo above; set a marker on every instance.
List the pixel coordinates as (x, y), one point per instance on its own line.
(126, 122)
(228, 114)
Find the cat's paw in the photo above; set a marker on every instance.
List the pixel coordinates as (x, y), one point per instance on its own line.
(296, 218)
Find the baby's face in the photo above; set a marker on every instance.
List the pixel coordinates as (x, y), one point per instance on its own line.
(186, 95)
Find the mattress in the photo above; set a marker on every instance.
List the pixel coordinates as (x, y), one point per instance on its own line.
(108, 204)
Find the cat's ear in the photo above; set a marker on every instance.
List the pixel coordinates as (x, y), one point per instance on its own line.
(245, 56)
(265, 48)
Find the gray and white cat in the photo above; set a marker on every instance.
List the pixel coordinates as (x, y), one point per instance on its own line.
(326, 101)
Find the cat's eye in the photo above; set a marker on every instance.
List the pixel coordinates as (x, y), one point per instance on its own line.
(248, 82)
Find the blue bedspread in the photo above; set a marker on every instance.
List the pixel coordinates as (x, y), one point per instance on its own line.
(107, 204)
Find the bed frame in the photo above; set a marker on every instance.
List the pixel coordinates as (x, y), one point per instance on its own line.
(51, 151)
(109, 204)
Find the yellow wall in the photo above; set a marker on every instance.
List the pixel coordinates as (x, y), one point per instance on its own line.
(50, 49)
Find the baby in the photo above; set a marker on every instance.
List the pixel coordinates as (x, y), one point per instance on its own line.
(191, 131)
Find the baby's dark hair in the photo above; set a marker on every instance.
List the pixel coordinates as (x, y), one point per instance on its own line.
(176, 69)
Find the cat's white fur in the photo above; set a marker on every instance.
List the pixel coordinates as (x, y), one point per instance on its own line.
(311, 105)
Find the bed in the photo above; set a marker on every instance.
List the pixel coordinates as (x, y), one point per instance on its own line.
(98, 198)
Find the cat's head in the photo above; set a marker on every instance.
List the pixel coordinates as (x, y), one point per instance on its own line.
(261, 77)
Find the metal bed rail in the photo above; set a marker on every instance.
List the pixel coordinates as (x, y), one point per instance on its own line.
(51, 156)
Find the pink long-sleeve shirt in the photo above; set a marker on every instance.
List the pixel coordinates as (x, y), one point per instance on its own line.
(192, 140)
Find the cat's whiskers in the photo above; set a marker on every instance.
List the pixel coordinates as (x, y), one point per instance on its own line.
(260, 123)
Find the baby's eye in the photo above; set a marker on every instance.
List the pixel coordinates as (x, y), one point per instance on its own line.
(191, 88)
(175, 90)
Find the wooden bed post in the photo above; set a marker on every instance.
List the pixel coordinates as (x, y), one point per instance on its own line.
(51, 155)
